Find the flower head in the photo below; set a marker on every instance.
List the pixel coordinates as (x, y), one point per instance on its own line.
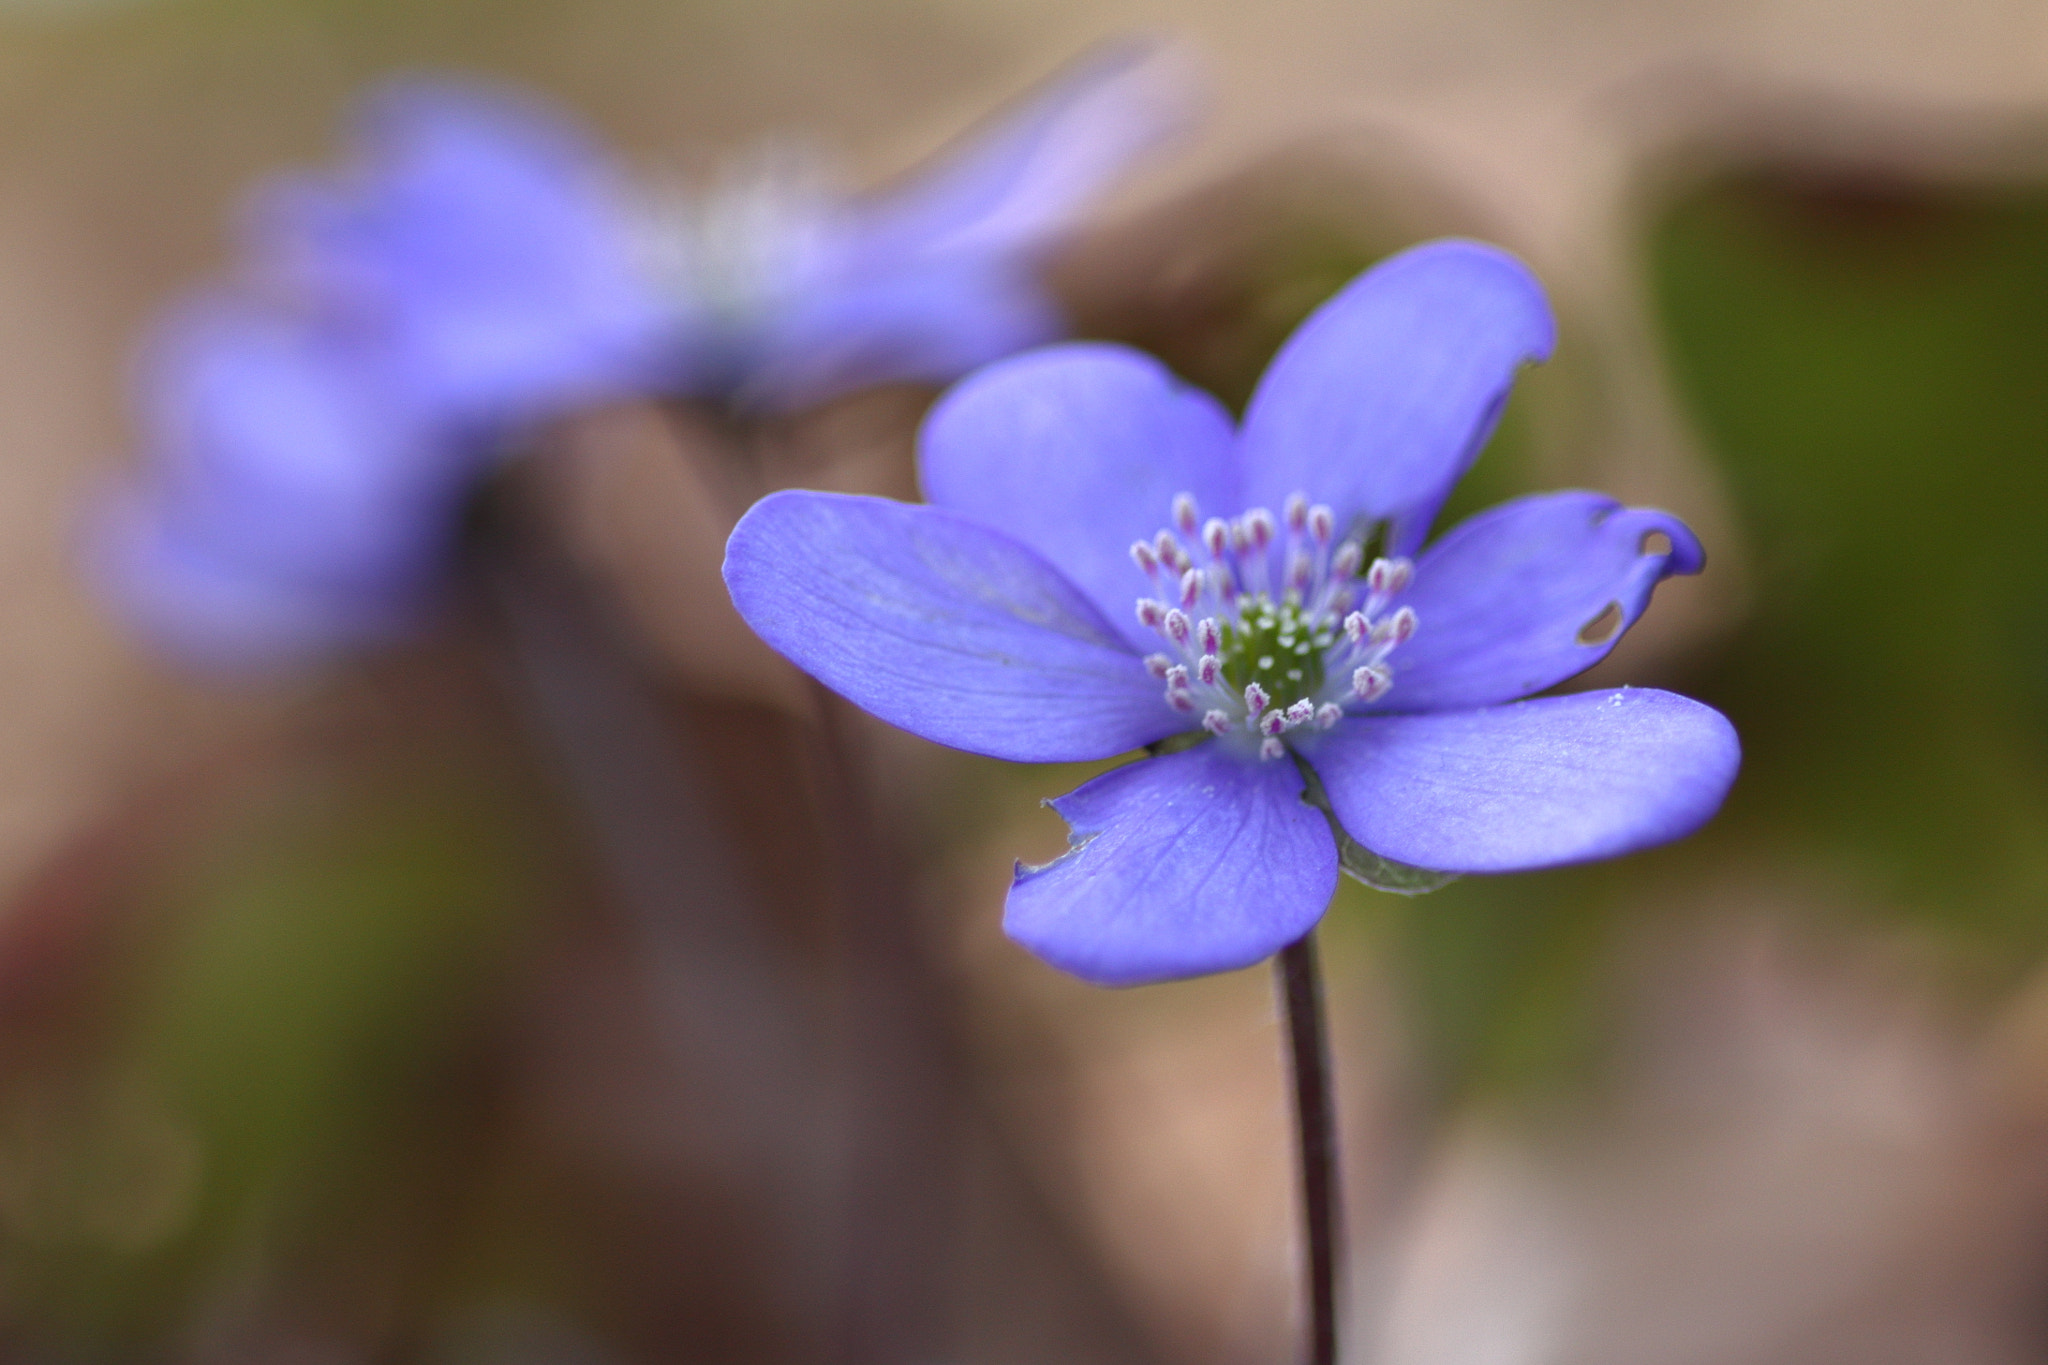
(1107, 561)
(479, 265)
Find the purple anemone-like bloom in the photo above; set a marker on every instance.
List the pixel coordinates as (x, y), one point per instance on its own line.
(314, 428)
(1107, 562)
(510, 263)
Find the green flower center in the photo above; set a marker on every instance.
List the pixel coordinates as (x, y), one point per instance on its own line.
(1278, 646)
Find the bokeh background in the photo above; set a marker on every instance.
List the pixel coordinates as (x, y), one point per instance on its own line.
(572, 985)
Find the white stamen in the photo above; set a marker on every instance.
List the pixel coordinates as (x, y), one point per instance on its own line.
(1328, 714)
(1209, 670)
(1301, 713)
(1216, 723)
(1271, 749)
(1190, 587)
(1150, 613)
(1157, 664)
(1176, 626)
(1295, 509)
(1255, 698)
(1169, 551)
(1209, 636)
(1273, 723)
(1216, 536)
(1180, 701)
(1370, 682)
(1259, 528)
(1344, 564)
(1322, 524)
(1404, 625)
(1357, 627)
(1177, 678)
(1185, 514)
(1142, 556)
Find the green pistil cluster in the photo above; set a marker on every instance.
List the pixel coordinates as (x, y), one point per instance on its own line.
(1278, 647)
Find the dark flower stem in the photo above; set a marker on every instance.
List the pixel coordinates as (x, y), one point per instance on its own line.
(1315, 1116)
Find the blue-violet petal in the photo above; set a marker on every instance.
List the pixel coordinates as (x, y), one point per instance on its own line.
(1199, 861)
(925, 325)
(1382, 399)
(1533, 784)
(1529, 593)
(1010, 188)
(1078, 451)
(941, 626)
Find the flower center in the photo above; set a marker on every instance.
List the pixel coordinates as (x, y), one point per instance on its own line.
(1267, 632)
(747, 242)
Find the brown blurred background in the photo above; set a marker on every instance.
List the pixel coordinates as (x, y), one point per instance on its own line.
(575, 985)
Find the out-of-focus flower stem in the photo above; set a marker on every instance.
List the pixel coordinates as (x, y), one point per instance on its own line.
(1301, 989)
(893, 1054)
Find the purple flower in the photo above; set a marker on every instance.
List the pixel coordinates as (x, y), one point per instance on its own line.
(511, 264)
(1288, 620)
(313, 430)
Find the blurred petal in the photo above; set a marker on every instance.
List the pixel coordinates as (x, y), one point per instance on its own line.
(1014, 186)
(482, 239)
(1078, 451)
(942, 627)
(1382, 399)
(924, 326)
(278, 446)
(222, 615)
(1529, 593)
(1200, 861)
(1533, 784)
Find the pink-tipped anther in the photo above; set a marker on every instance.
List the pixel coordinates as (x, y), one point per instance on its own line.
(1142, 556)
(1157, 664)
(1322, 524)
(1357, 627)
(1259, 528)
(1169, 551)
(1216, 537)
(1216, 723)
(1369, 682)
(1301, 570)
(1273, 723)
(1295, 509)
(1176, 626)
(1270, 749)
(1209, 635)
(1209, 670)
(1344, 564)
(1177, 678)
(1403, 625)
(1255, 699)
(1190, 587)
(1151, 613)
(1185, 514)
(1301, 713)
(1328, 714)
(1180, 701)
(1389, 575)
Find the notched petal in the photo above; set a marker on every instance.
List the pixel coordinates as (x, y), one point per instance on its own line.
(1527, 594)
(1194, 862)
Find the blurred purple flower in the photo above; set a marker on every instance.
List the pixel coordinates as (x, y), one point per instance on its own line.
(294, 498)
(510, 265)
(998, 619)
(313, 432)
